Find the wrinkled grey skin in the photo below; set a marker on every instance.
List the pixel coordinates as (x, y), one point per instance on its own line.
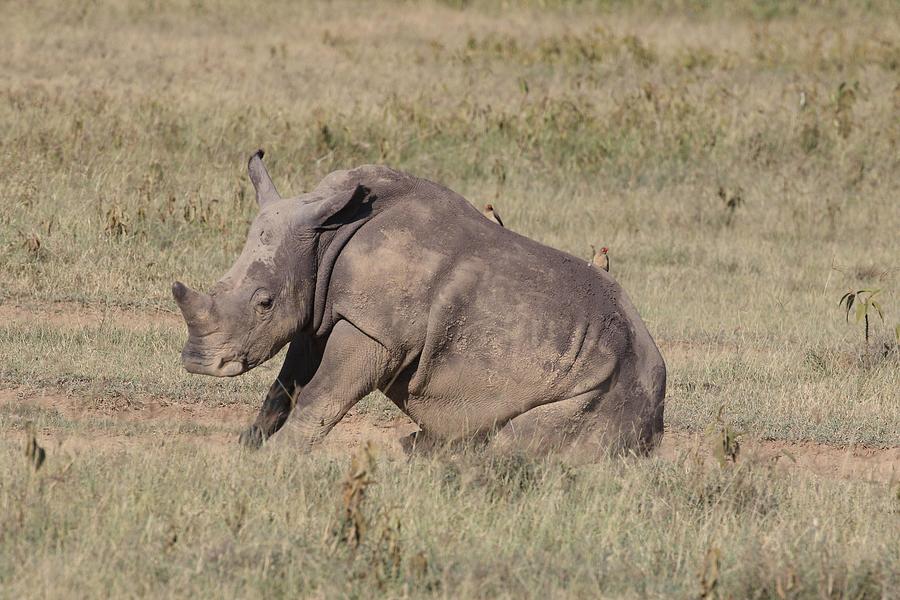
(380, 280)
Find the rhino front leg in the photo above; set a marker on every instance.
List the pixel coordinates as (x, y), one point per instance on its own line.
(353, 365)
(303, 358)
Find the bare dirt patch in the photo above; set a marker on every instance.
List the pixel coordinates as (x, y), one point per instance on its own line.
(845, 462)
(72, 315)
(151, 410)
(221, 423)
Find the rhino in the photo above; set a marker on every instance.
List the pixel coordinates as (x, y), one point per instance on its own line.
(379, 280)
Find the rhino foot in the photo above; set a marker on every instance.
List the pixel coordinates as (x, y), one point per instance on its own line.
(252, 438)
(418, 442)
(423, 443)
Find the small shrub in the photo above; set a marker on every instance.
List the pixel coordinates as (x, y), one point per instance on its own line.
(32, 245)
(864, 300)
(844, 99)
(116, 225)
(731, 202)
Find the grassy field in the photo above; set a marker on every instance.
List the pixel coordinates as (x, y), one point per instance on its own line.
(741, 160)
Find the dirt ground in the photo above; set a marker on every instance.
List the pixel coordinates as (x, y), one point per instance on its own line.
(219, 426)
(71, 315)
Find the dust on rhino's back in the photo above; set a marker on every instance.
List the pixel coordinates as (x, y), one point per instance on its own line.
(481, 308)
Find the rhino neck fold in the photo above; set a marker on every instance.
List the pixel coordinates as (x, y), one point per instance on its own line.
(328, 248)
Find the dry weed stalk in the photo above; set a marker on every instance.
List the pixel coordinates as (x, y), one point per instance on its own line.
(352, 523)
(709, 573)
(35, 454)
(725, 441)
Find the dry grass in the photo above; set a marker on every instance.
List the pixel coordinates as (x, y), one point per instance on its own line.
(173, 517)
(740, 160)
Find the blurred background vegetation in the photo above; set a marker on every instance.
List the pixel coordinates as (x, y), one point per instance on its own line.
(740, 159)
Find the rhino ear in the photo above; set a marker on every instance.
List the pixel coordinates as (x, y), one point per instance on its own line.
(265, 189)
(320, 214)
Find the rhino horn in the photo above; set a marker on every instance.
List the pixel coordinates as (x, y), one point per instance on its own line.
(193, 305)
(265, 189)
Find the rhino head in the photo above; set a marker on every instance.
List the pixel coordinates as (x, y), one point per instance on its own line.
(267, 296)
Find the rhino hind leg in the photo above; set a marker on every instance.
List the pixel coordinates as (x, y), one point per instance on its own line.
(422, 441)
(543, 429)
(622, 419)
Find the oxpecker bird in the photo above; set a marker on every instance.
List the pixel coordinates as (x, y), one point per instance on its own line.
(601, 259)
(492, 215)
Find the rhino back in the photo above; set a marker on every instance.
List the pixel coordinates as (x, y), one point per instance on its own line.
(481, 312)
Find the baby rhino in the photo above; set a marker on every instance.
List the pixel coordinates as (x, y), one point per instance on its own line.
(379, 280)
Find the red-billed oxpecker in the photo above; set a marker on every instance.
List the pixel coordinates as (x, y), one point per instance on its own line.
(601, 258)
(491, 213)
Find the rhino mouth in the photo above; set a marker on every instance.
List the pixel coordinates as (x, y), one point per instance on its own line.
(216, 367)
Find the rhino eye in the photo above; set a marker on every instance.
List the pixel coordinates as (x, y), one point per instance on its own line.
(263, 301)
